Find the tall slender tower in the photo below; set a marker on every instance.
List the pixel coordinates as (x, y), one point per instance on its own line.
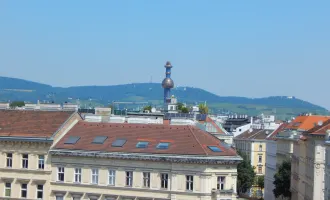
(167, 83)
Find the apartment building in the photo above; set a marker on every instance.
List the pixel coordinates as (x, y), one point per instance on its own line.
(25, 139)
(327, 166)
(308, 164)
(253, 144)
(286, 137)
(139, 161)
(271, 149)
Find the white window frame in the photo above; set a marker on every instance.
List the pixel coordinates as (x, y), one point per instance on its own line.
(189, 182)
(25, 161)
(260, 147)
(221, 182)
(129, 178)
(8, 188)
(9, 160)
(77, 175)
(41, 162)
(60, 171)
(146, 179)
(23, 189)
(164, 180)
(111, 177)
(95, 176)
(260, 159)
(40, 190)
(259, 167)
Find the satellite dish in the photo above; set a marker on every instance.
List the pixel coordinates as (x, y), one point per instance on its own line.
(320, 123)
(153, 110)
(267, 132)
(250, 130)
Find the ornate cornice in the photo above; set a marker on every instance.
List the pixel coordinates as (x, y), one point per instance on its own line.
(224, 160)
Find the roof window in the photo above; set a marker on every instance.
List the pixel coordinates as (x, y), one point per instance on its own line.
(214, 148)
(72, 140)
(142, 144)
(163, 145)
(99, 139)
(119, 143)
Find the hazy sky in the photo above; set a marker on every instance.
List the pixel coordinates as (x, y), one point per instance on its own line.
(242, 48)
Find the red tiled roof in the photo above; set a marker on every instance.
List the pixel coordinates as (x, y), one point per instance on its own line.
(306, 122)
(184, 140)
(320, 130)
(254, 134)
(17, 123)
(209, 120)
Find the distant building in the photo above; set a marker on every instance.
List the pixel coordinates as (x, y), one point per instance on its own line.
(253, 144)
(132, 161)
(4, 106)
(237, 124)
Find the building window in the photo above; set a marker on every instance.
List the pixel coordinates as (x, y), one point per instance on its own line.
(259, 170)
(112, 177)
(95, 176)
(24, 190)
(77, 175)
(129, 178)
(40, 191)
(190, 183)
(41, 162)
(260, 159)
(9, 160)
(7, 189)
(221, 183)
(25, 161)
(260, 147)
(164, 181)
(60, 174)
(146, 179)
(59, 198)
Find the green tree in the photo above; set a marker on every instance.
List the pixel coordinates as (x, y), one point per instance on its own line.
(180, 106)
(261, 181)
(245, 174)
(282, 180)
(184, 110)
(203, 109)
(15, 104)
(147, 108)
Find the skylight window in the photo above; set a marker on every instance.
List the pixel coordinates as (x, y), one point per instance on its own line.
(72, 140)
(163, 145)
(214, 148)
(99, 139)
(119, 143)
(142, 144)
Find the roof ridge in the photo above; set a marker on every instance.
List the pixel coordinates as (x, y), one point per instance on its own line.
(317, 128)
(197, 140)
(255, 133)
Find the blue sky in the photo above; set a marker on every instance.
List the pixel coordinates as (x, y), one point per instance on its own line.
(232, 48)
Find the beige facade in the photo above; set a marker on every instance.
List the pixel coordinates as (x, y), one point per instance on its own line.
(308, 169)
(256, 152)
(25, 166)
(102, 178)
(327, 170)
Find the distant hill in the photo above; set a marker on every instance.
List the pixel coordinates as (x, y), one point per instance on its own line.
(18, 89)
